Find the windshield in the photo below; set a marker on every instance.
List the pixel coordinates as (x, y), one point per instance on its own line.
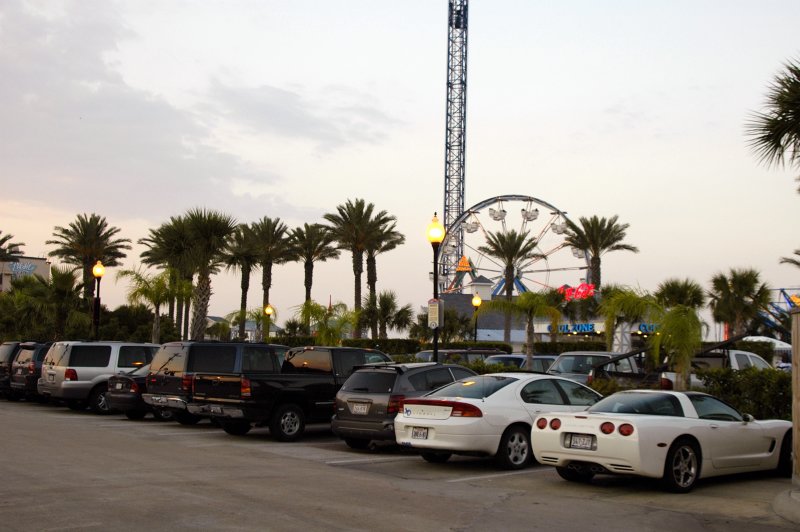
(576, 363)
(477, 387)
(140, 371)
(654, 404)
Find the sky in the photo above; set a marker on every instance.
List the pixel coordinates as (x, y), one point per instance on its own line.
(141, 110)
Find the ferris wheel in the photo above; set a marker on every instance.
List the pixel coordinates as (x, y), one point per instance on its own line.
(554, 265)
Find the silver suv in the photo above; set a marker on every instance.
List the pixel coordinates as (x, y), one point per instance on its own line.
(78, 372)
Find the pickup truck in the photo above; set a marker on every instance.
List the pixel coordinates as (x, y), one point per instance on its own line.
(727, 358)
(303, 391)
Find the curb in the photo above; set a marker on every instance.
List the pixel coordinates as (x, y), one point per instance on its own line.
(787, 505)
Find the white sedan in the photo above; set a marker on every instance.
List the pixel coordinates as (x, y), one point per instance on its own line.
(487, 415)
(677, 437)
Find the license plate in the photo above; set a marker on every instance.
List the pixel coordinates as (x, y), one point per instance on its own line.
(419, 433)
(159, 399)
(51, 378)
(216, 409)
(19, 371)
(581, 441)
(360, 408)
(118, 386)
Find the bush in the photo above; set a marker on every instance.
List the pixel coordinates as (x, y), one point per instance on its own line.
(291, 341)
(765, 394)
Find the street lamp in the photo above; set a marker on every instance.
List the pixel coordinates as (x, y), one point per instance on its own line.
(435, 235)
(268, 312)
(97, 270)
(476, 304)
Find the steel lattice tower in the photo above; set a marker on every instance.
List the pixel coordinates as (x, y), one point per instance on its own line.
(456, 130)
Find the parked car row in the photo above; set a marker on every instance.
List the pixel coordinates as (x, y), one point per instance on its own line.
(438, 409)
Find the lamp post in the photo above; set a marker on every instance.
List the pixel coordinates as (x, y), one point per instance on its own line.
(435, 235)
(476, 304)
(268, 312)
(97, 270)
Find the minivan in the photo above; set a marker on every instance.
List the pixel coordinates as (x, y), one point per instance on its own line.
(27, 369)
(78, 372)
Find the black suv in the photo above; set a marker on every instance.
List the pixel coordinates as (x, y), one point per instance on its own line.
(8, 350)
(170, 382)
(369, 400)
(26, 370)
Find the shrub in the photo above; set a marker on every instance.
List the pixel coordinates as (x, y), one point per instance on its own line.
(765, 394)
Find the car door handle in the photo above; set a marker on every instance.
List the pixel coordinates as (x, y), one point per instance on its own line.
(714, 426)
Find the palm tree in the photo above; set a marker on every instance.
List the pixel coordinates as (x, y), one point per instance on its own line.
(85, 241)
(681, 335)
(511, 249)
(153, 290)
(791, 260)
(382, 239)
(169, 247)
(9, 251)
(674, 292)
(310, 244)
(208, 234)
(328, 324)
(775, 133)
(528, 306)
(737, 299)
(387, 313)
(61, 301)
(241, 253)
(597, 236)
(353, 225)
(272, 241)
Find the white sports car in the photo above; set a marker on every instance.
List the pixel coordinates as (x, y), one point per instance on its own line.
(487, 415)
(678, 437)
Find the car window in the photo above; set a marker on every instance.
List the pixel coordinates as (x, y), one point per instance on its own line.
(712, 408)
(25, 355)
(370, 382)
(759, 362)
(55, 354)
(135, 356)
(169, 360)
(7, 351)
(541, 391)
(655, 404)
(623, 365)
(427, 380)
(89, 356)
(256, 358)
(461, 373)
(541, 364)
(476, 387)
(212, 359)
(742, 360)
(576, 363)
(313, 361)
(578, 394)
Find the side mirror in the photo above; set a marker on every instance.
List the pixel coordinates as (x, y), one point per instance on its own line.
(748, 418)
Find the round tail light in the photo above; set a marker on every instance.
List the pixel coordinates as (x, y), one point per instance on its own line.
(541, 423)
(555, 423)
(607, 427)
(626, 429)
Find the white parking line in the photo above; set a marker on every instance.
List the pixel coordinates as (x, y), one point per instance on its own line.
(373, 460)
(498, 475)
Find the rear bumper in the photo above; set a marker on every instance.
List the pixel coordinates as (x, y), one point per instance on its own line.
(125, 402)
(363, 430)
(65, 390)
(174, 402)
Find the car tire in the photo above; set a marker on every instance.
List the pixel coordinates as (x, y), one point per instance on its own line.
(784, 468)
(682, 466)
(135, 415)
(434, 457)
(574, 475)
(162, 414)
(97, 400)
(185, 418)
(287, 423)
(357, 443)
(236, 428)
(515, 450)
(77, 405)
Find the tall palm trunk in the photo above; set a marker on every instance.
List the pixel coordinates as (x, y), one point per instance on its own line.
(529, 339)
(594, 265)
(308, 267)
(266, 282)
(202, 296)
(372, 281)
(187, 307)
(509, 281)
(358, 269)
(156, 325)
(245, 285)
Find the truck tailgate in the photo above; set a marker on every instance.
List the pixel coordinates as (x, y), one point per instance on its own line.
(217, 387)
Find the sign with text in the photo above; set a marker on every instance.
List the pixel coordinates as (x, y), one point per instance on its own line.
(435, 313)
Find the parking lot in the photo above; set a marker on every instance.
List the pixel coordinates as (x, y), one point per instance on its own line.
(64, 470)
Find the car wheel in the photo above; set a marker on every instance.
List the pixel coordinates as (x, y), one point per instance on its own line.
(357, 443)
(163, 415)
(236, 428)
(574, 475)
(682, 467)
(784, 468)
(135, 415)
(515, 448)
(287, 423)
(185, 418)
(97, 400)
(76, 404)
(435, 458)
